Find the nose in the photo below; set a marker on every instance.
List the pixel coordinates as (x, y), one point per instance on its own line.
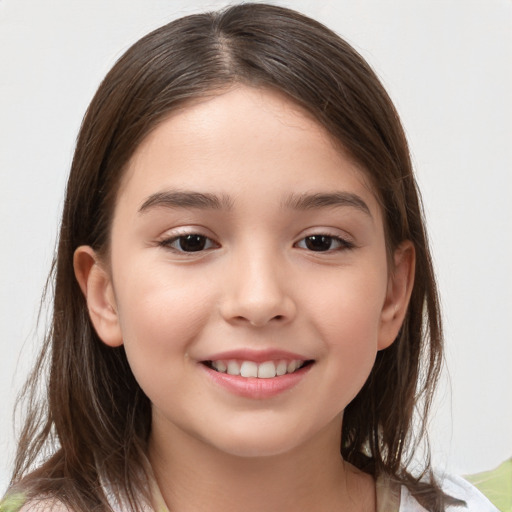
(257, 292)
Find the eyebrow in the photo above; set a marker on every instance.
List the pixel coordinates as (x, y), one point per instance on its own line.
(207, 201)
(325, 200)
(186, 199)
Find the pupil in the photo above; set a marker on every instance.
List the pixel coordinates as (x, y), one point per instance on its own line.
(192, 243)
(318, 243)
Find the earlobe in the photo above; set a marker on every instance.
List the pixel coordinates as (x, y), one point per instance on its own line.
(400, 285)
(96, 285)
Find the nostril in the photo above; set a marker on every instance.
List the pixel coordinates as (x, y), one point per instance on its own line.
(258, 312)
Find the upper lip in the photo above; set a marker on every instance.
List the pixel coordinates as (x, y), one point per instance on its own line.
(257, 356)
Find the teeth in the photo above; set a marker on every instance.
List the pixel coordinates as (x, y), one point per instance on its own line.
(281, 368)
(292, 366)
(233, 368)
(220, 366)
(266, 370)
(249, 369)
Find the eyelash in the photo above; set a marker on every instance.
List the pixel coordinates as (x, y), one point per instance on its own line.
(169, 242)
(343, 244)
(206, 243)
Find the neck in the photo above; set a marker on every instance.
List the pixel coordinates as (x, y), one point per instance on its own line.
(193, 475)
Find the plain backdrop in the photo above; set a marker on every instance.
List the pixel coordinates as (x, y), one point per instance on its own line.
(447, 66)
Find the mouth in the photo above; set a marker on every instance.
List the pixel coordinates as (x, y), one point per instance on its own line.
(251, 369)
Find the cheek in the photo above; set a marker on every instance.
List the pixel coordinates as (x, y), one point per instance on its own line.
(160, 320)
(347, 315)
(352, 352)
(160, 315)
(348, 304)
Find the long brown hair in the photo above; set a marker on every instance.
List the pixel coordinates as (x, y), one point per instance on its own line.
(93, 424)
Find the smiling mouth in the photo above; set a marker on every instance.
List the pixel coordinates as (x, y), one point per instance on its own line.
(250, 369)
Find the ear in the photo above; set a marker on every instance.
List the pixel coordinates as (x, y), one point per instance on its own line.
(400, 284)
(96, 285)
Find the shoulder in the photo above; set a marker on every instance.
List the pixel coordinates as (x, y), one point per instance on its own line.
(456, 487)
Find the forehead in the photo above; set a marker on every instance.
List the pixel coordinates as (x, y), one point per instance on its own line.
(242, 138)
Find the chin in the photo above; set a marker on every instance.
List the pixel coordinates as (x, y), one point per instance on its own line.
(258, 442)
(255, 449)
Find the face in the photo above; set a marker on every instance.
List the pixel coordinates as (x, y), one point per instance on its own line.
(247, 276)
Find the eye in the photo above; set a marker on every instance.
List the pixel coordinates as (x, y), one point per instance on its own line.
(323, 243)
(192, 242)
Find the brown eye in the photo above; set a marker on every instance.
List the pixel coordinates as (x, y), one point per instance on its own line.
(189, 243)
(192, 243)
(323, 243)
(318, 242)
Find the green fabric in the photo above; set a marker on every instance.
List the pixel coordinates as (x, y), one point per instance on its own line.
(12, 503)
(496, 485)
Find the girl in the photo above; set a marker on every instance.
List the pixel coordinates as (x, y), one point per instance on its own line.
(245, 313)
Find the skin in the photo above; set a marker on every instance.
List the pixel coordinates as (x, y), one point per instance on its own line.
(258, 286)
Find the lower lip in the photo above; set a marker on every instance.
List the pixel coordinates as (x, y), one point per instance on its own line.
(257, 389)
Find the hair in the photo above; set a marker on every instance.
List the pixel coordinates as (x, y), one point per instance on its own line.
(93, 424)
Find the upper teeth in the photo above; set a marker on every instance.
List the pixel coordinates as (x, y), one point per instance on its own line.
(265, 370)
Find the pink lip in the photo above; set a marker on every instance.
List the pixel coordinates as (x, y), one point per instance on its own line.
(254, 388)
(257, 356)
